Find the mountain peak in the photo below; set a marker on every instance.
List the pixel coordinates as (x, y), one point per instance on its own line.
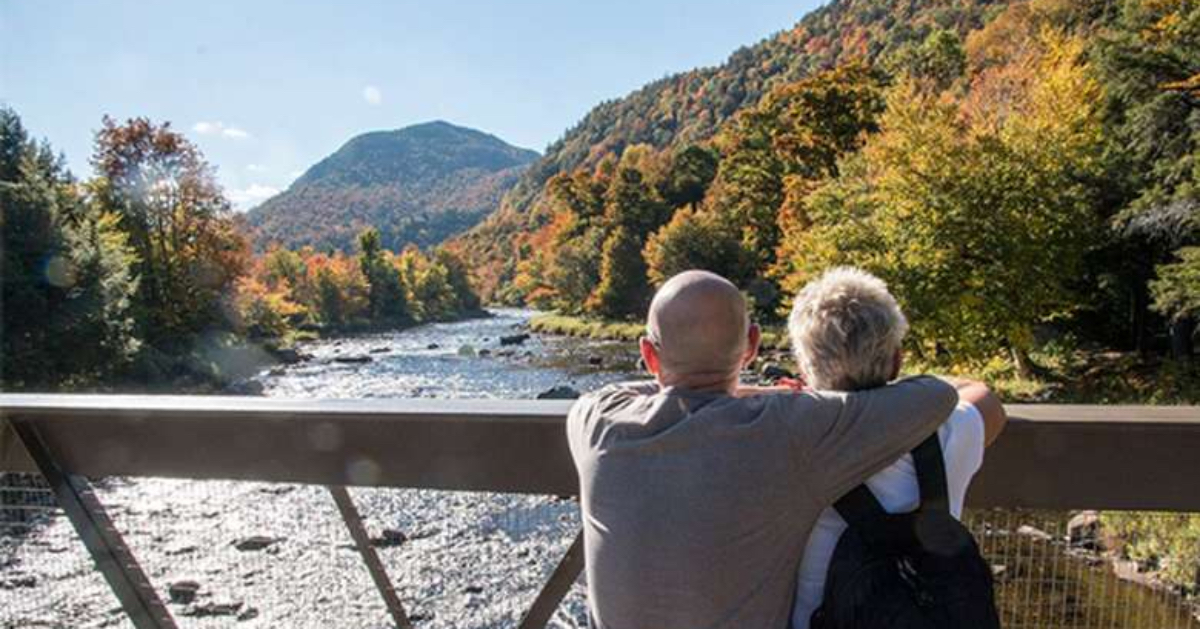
(417, 184)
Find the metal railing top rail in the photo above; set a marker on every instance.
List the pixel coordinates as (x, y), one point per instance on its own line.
(1051, 456)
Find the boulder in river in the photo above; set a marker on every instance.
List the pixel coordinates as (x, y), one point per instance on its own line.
(389, 538)
(213, 609)
(595, 361)
(1083, 530)
(353, 359)
(290, 355)
(560, 392)
(466, 351)
(485, 352)
(380, 350)
(254, 542)
(246, 387)
(773, 371)
(432, 346)
(515, 339)
(183, 592)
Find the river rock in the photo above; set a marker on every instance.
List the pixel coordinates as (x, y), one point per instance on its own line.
(254, 542)
(595, 361)
(353, 359)
(183, 592)
(773, 371)
(204, 610)
(246, 387)
(485, 352)
(466, 351)
(561, 392)
(389, 538)
(18, 581)
(1083, 530)
(432, 346)
(289, 355)
(250, 613)
(515, 339)
(380, 350)
(1034, 532)
(276, 371)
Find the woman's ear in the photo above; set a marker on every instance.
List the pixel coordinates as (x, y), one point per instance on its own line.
(649, 355)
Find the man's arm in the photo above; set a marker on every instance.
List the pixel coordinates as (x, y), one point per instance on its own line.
(986, 402)
(845, 438)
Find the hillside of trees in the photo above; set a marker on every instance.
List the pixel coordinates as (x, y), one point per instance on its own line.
(1007, 168)
(691, 107)
(417, 185)
(141, 277)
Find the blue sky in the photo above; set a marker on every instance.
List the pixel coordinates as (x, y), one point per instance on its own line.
(267, 88)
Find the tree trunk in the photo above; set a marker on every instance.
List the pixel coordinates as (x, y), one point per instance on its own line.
(1026, 368)
(1181, 338)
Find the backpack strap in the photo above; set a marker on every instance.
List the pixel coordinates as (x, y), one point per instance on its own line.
(862, 511)
(931, 475)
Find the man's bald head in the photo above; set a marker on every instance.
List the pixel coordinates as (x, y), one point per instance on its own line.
(698, 325)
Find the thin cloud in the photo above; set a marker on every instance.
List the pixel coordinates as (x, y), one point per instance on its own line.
(246, 198)
(372, 95)
(220, 128)
(256, 168)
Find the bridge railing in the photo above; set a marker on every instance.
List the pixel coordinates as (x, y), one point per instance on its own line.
(1052, 458)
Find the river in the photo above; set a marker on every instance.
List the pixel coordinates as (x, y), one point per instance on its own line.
(469, 560)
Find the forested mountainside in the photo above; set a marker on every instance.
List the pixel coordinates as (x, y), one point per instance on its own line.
(1019, 173)
(417, 185)
(690, 107)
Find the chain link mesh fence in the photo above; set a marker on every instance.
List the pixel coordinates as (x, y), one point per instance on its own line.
(246, 554)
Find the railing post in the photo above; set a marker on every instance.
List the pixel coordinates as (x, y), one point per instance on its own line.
(556, 588)
(362, 542)
(103, 541)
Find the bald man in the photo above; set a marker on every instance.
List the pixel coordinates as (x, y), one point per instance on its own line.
(698, 501)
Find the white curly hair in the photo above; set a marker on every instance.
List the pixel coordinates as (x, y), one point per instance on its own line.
(846, 331)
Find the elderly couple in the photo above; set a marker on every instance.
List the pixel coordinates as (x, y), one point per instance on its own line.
(707, 503)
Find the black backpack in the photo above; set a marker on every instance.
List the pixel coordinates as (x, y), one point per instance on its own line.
(918, 570)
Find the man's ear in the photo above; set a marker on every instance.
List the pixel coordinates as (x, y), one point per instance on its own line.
(898, 361)
(753, 339)
(649, 355)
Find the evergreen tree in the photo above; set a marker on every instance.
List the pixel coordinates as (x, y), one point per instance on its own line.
(66, 278)
(385, 294)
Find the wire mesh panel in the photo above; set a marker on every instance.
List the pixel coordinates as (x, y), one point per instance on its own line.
(47, 579)
(243, 554)
(246, 554)
(1070, 571)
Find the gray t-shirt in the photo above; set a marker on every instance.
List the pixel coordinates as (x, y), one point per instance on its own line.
(697, 506)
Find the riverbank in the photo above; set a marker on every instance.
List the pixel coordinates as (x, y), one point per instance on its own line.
(773, 337)
(1067, 375)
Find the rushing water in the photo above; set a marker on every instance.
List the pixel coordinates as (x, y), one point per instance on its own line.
(443, 360)
(469, 560)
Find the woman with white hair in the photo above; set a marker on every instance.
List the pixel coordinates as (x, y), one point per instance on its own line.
(847, 333)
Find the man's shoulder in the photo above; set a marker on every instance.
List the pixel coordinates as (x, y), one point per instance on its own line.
(616, 393)
(607, 402)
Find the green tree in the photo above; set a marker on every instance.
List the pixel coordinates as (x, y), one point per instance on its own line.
(693, 240)
(959, 210)
(623, 291)
(691, 171)
(66, 278)
(386, 298)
